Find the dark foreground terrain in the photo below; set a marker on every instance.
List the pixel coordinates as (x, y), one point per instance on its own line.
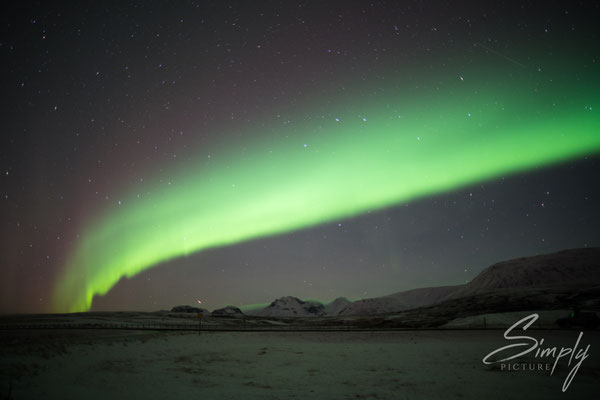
(342, 364)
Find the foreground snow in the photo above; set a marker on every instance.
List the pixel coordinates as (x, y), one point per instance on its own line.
(273, 365)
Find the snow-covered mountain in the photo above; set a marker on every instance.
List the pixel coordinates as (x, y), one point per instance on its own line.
(190, 309)
(228, 311)
(399, 301)
(294, 307)
(576, 267)
(336, 306)
(291, 307)
(564, 272)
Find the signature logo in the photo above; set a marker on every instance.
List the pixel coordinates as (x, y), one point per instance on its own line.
(522, 345)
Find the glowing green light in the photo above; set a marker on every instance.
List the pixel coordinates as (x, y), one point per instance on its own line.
(365, 158)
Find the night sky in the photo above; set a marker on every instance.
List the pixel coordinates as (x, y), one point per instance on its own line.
(156, 153)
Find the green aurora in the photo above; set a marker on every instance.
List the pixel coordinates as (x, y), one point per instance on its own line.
(368, 156)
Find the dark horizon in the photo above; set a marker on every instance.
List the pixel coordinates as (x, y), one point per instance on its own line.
(126, 125)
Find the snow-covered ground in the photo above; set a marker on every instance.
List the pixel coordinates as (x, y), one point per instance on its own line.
(94, 364)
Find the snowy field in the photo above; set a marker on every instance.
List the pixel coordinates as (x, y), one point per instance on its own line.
(110, 364)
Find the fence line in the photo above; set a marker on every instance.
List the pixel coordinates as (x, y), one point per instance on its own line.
(175, 327)
(195, 327)
(232, 328)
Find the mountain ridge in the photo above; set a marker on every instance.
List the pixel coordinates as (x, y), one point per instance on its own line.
(566, 272)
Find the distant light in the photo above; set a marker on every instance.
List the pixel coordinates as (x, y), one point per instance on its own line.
(199, 302)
